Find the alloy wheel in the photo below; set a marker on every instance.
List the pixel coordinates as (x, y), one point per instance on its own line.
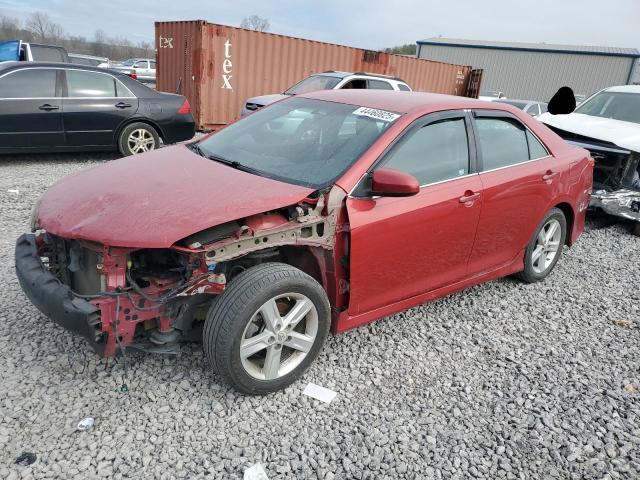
(279, 336)
(547, 246)
(141, 140)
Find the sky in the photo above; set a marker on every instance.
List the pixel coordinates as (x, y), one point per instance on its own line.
(371, 24)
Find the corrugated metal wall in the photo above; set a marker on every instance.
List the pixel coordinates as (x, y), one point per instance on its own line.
(194, 57)
(535, 75)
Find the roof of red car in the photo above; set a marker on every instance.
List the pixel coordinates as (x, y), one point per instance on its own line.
(400, 102)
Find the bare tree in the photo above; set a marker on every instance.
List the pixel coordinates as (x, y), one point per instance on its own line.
(254, 22)
(43, 28)
(39, 28)
(9, 28)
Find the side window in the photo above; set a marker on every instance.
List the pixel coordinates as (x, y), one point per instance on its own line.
(403, 87)
(122, 91)
(153, 65)
(31, 83)
(379, 85)
(536, 149)
(543, 108)
(533, 110)
(141, 64)
(90, 84)
(503, 142)
(438, 151)
(358, 83)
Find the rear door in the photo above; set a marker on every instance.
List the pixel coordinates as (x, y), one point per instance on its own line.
(519, 180)
(31, 109)
(95, 105)
(402, 247)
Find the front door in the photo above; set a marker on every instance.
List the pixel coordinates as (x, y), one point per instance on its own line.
(30, 109)
(402, 247)
(95, 105)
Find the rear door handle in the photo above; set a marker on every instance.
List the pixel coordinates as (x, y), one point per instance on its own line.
(47, 107)
(123, 105)
(549, 175)
(469, 196)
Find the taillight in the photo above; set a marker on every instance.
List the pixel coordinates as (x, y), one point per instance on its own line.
(133, 75)
(185, 108)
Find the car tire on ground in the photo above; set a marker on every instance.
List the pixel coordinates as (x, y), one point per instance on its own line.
(138, 137)
(266, 328)
(545, 247)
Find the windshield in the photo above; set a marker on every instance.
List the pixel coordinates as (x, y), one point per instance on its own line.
(313, 83)
(301, 141)
(128, 63)
(490, 94)
(615, 105)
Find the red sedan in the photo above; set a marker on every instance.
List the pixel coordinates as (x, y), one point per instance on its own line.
(320, 212)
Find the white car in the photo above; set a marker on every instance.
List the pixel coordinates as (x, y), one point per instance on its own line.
(491, 96)
(330, 80)
(608, 125)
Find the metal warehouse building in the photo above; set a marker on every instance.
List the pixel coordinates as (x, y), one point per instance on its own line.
(535, 71)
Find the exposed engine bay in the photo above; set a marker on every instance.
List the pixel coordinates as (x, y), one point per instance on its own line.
(152, 299)
(616, 177)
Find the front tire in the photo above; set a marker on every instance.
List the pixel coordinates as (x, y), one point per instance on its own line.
(138, 137)
(266, 328)
(545, 247)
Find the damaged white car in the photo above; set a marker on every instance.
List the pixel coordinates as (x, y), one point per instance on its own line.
(608, 125)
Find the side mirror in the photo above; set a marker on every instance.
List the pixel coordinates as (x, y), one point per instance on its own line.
(563, 102)
(387, 182)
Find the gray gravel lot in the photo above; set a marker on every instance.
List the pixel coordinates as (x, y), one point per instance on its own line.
(504, 380)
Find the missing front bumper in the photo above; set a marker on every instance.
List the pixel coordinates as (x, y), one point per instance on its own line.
(53, 298)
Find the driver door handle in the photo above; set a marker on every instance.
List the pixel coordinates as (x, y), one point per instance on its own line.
(469, 196)
(123, 105)
(48, 107)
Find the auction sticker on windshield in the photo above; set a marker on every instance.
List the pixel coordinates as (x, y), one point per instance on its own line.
(376, 114)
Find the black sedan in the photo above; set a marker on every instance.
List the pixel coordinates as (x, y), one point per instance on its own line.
(64, 107)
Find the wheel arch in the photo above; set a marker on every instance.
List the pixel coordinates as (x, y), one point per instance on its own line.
(570, 216)
(131, 120)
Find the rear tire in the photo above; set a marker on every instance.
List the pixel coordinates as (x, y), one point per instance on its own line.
(266, 328)
(138, 137)
(545, 247)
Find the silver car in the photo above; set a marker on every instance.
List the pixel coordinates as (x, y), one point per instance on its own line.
(142, 69)
(330, 80)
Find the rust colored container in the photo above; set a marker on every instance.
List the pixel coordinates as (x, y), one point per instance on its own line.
(218, 67)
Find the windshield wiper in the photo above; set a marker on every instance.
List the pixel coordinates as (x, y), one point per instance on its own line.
(217, 158)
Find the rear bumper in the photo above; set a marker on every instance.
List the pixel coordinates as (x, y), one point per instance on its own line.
(621, 203)
(50, 296)
(181, 128)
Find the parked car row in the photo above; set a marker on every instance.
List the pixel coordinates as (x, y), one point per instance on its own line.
(142, 69)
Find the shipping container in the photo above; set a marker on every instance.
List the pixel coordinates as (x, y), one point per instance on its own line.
(218, 67)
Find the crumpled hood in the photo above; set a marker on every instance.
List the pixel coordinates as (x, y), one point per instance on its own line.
(155, 199)
(265, 100)
(623, 134)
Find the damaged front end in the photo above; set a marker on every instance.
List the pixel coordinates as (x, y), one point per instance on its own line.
(153, 298)
(113, 297)
(616, 176)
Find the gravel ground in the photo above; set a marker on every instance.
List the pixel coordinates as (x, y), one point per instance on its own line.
(504, 380)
